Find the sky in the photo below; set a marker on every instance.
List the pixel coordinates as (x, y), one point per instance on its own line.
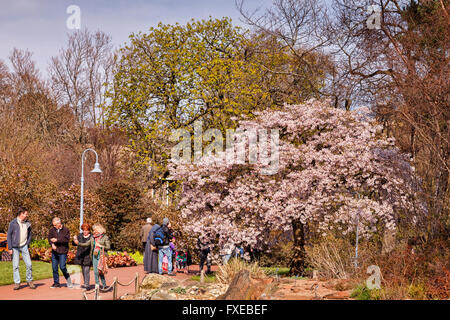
(40, 26)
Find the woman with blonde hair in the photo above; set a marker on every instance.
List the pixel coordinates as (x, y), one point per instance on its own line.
(99, 244)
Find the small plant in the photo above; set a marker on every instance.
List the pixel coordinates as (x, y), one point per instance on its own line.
(179, 290)
(362, 292)
(138, 257)
(416, 291)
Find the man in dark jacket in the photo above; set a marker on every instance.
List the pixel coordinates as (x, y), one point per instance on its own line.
(164, 248)
(59, 237)
(18, 238)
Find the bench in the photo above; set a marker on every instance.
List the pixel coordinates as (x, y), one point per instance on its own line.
(3, 242)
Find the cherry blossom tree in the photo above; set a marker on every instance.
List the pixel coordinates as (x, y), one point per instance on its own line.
(334, 169)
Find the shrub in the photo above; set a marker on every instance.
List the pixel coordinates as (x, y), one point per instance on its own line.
(226, 273)
(124, 214)
(362, 292)
(120, 259)
(138, 257)
(43, 243)
(422, 274)
(332, 258)
(416, 292)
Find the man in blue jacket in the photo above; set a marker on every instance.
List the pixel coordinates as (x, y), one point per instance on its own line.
(19, 237)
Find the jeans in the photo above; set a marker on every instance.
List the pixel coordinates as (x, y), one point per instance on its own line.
(161, 253)
(86, 274)
(15, 262)
(59, 259)
(225, 258)
(95, 260)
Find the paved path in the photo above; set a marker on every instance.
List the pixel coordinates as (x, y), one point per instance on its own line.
(44, 292)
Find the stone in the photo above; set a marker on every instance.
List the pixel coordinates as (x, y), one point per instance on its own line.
(243, 287)
(339, 295)
(156, 281)
(161, 295)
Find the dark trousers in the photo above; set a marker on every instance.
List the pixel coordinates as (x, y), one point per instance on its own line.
(204, 257)
(59, 259)
(86, 274)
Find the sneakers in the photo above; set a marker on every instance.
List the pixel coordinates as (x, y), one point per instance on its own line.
(69, 283)
(16, 286)
(31, 285)
(55, 285)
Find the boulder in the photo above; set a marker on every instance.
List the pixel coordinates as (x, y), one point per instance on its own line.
(243, 287)
(156, 281)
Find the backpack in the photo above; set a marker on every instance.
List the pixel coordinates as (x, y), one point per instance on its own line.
(159, 236)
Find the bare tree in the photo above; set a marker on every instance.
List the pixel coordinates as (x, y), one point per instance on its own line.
(80, 74)
(399, 68)
(303, 29)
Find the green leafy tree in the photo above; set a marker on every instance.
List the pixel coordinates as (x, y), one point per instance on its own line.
(173, 75)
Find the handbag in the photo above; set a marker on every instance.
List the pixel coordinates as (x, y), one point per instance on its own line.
(103, 263)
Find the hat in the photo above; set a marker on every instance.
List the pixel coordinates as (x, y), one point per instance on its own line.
(165, 221)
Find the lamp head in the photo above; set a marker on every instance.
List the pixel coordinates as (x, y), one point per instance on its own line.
(97, 168)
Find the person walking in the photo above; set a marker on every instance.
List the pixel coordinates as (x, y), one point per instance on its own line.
(205, 248)
(226, 252)
(145, 230)
(99, 244)
(19, 238)
(59, 237)
(83, 255)
(163, 236)
(151, 252)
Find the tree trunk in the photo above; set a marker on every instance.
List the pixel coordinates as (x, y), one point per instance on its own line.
(298, 258)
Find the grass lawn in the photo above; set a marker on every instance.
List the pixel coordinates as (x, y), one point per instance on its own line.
(41, 270)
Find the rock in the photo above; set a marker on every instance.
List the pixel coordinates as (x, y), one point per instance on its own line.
(243, 287)
(156, 281)
(161, 295)
(169, 285)
(339, 295)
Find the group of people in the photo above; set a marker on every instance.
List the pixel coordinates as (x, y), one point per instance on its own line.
(90, 248)
(160, 246)
(158, 241)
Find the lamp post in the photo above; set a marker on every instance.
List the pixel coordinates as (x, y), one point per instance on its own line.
(357, 233)
(95, 170)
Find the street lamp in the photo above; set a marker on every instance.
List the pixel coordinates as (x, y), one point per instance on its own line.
(95, 170)
(357, 233)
